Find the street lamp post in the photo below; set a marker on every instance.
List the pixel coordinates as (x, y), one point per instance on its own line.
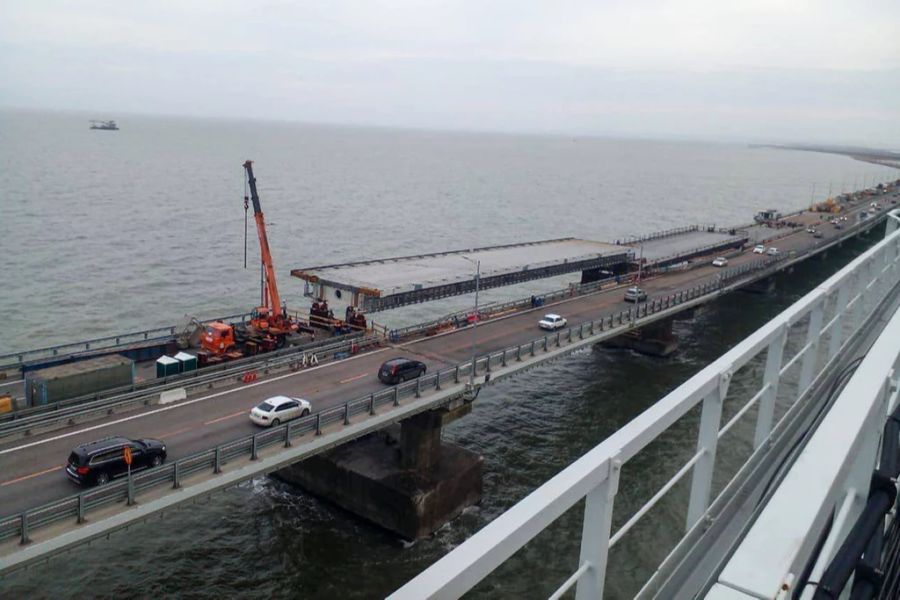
(477, 264)
(637, 239)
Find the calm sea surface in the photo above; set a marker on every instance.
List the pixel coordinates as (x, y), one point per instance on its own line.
(105, 232)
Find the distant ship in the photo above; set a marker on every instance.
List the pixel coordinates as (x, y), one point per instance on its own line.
(106, 125)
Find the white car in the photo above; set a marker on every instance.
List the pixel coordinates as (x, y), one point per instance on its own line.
(720, 262)
(635, 294)
(760, 249)
(279, 409)
(773, 251)
(552, 322)
(810, 230)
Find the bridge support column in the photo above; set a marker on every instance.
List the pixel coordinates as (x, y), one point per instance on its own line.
(404, 479)
(656, 339)
(762, 286)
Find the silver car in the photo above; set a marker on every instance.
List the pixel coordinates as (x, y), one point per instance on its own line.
(635, 294)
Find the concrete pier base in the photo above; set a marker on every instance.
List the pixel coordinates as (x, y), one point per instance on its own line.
(410, 486)
(763, 286)
(655, 340)
(690, 314)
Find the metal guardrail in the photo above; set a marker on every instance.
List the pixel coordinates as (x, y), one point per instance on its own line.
(725, 276)
(601, 475)
(489, 310)
(79, 504)
(101, 343)
(844, 301)
(110, 400)
(695, 251)
(619, 322)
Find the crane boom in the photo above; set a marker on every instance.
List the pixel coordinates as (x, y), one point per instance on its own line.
(273, 300)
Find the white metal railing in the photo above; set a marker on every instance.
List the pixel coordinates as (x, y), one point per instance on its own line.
(829, 315)
(830, 477)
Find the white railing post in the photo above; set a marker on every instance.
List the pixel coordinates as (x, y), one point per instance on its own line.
(598, 509)
(707, 439)
(771, 378)
(811, 357)
(836, 334)
(893, 222)
(859, 285)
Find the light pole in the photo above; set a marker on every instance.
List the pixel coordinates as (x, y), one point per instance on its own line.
(641, 264)
(641, 258)
(477, 264)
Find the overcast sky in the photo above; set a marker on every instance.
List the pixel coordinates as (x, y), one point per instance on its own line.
(728, 69)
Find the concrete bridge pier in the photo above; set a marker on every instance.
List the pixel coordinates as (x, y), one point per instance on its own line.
(405, 479)
(691, 313)
(656, 339)
(761, 286)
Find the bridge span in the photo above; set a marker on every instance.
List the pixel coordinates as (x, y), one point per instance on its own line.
(212, 445)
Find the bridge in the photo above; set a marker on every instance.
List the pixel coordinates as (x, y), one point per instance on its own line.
(811, 529)
(213, 446)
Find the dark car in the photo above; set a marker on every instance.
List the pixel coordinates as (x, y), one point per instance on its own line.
(97, 462)
(400, 369)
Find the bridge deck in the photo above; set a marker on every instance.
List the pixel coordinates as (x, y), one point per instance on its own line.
(686, 244)
(390, 282)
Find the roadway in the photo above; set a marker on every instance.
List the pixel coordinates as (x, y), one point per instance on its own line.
(32, 469)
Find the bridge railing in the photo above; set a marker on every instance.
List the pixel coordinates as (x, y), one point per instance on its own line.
(212, 460)
(119, 398)
(14, 359)
(607, 326)
(824, 320)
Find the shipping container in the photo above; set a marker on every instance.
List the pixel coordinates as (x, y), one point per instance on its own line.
(76, 379)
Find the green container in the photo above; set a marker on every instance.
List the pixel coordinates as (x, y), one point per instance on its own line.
(76, 379)
(188, 362)
(166, 365)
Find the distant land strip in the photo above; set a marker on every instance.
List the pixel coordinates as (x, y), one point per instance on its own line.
(877, 156)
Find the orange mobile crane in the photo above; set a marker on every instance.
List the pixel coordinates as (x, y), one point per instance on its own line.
(269, 325)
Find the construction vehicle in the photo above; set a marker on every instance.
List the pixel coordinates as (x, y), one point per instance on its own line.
(322, 317)
(828, 206)
(269, 326)
(767, 216)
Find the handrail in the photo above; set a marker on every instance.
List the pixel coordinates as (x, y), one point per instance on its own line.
(103, 402)
(850, 296)
(709, 385)
(607, 326)
(725, 276)
(97, 343)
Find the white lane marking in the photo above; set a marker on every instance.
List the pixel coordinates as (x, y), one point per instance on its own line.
(180, 404)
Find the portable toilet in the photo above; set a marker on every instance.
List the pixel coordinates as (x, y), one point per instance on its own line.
(188, 362)
(166, 365)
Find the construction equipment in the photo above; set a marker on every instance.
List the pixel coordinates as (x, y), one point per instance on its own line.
(828, 206)
(271, 317)
(767, 216)
(269, 326)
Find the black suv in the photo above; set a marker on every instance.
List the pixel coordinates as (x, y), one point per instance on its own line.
(97, 462)
(400, 369)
